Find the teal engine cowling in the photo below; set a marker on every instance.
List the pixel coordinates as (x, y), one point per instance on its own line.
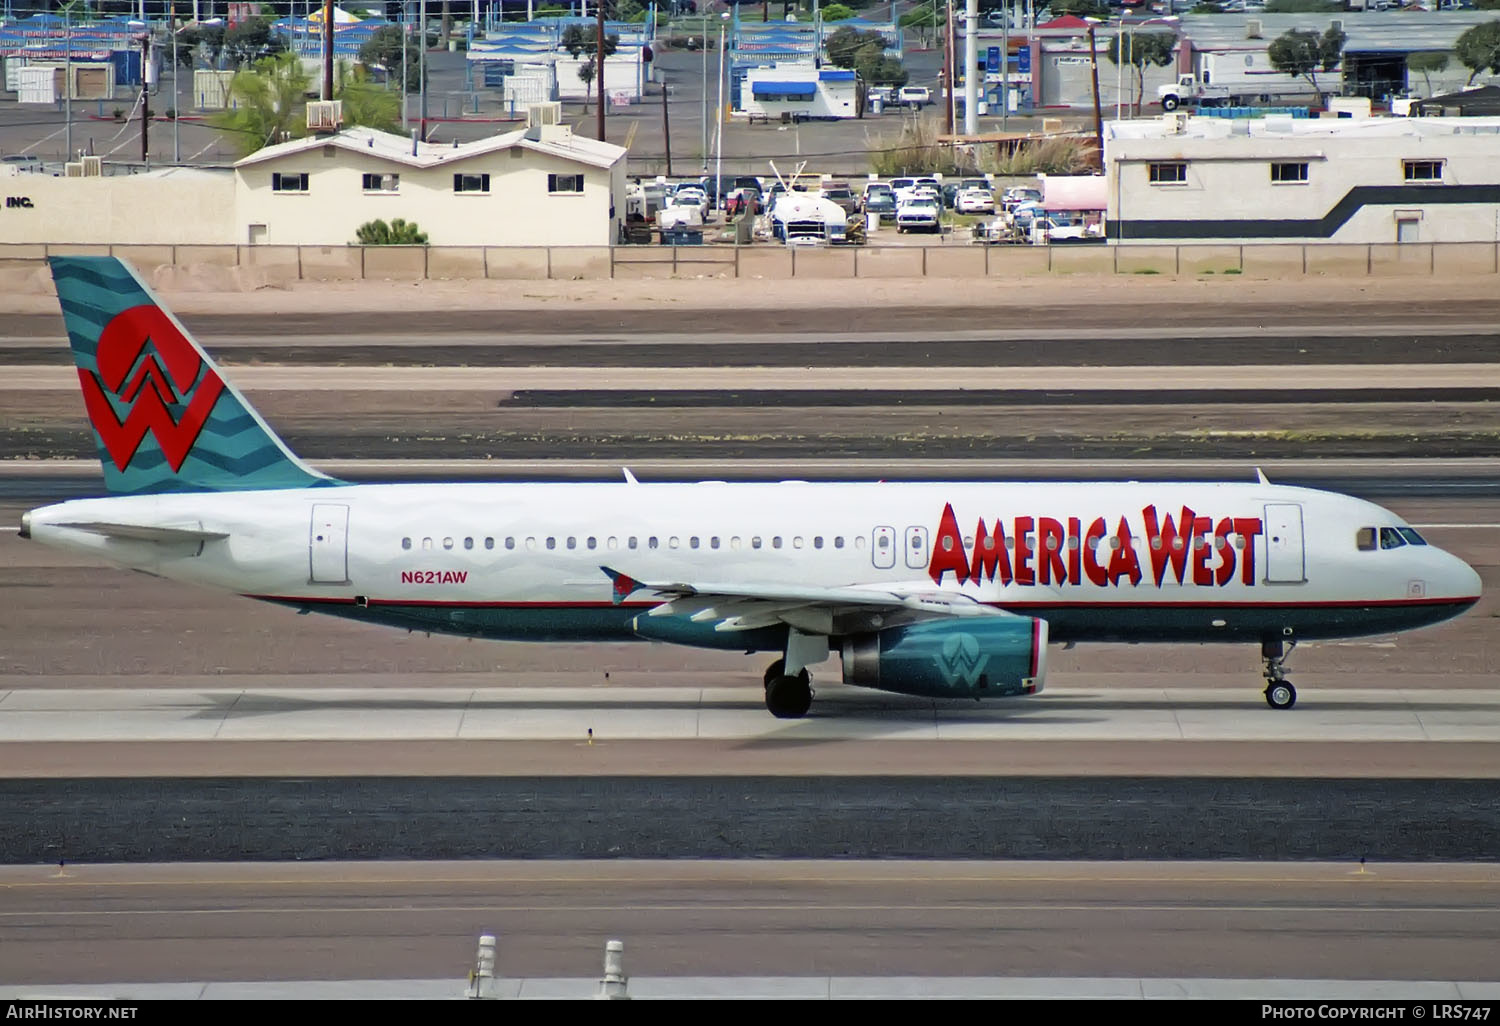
(982, 657)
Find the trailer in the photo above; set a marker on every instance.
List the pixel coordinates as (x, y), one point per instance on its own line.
(1241, 78)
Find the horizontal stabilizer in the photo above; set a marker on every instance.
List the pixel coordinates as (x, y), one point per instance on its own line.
(146, 532)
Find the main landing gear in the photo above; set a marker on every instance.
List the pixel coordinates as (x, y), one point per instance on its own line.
(1279, 691)
(788, 697)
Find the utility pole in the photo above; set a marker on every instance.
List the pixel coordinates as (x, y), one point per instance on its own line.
(599, 68)
(1098, 118)
(704, 147)
(948, 71)
(422, 65)
(327, 49)
(404, 83)
(666, 127)
(68, 78)
(176, 96)
(971, 58)
(1005, 69)
(145, 99)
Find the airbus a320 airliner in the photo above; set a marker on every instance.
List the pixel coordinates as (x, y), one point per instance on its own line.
(943, 590)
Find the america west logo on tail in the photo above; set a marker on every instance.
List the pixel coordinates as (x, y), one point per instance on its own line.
(146, 364)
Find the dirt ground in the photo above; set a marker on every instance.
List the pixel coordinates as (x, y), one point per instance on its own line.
(222, 290)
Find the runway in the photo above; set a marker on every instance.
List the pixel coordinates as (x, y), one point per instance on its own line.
(1135, 925)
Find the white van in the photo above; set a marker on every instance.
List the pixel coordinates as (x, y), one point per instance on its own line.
(916, 95)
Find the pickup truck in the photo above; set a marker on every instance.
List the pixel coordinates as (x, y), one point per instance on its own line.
(918, 215)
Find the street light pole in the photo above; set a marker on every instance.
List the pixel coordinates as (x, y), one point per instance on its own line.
(719, 118)
(703, 148)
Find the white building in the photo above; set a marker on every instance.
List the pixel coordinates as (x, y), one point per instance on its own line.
(1182, 179)
(799, 89)
(543, 186)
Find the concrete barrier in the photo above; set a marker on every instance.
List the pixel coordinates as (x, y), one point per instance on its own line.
(145, 257)
(889, 262)
(1337, 258)
(1466, 258)
(1206, 259)
(1272, 260)
(1405, 260)
(77, 249)
(279, 263)
(1146, 259)
(22, 251)
(773, 263)
(580, 262)
(516, 263)
(395, 263)
(635, 262)
(1017, 261)
(823, 263)
(462, 262)
(705, 261)
(212, 256)
(955, 262)
(331, 263)
(1082, 258)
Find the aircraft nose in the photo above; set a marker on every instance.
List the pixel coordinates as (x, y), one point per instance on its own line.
(1465, 580)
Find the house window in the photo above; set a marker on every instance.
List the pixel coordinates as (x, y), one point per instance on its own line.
(471, 183)
(564, 183)
(1423, 170)
(283, 182)
(1285, 173)
(382, 183)
(1174, 173)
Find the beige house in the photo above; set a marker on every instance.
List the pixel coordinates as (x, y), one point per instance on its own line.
(542, 186)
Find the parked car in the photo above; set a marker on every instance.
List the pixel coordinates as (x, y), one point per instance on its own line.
(958, 185)
(916, 96)
(975, 201)
(1018, 194)
(1024, 214)
(907, 188)
(24, 164)
(840, 193)
(919, 215)
(880, 199)
(691, 196)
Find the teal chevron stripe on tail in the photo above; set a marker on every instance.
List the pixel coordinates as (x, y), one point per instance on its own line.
(164, 418)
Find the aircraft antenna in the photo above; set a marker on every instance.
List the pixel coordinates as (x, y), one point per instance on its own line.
(629, 477)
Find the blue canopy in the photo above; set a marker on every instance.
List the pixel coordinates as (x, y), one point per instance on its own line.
(789, 89)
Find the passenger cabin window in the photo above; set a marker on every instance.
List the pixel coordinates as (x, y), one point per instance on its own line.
(406, 543)
(1364, 539)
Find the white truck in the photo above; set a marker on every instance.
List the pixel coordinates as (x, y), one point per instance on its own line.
(1241, 78)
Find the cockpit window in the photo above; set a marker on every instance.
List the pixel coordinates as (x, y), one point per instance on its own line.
(1411, 536)
(1364, 539)
(1390, 538)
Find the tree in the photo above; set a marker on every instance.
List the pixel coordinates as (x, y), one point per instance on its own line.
(397, 233)
(837, 12)
(1426, 64)
(583, 41)
(1303, 52)
(844, 44)
(925, 20)
(1478, 49)
(586, 76)
(383, 50)
(251, 40)
(1140, 49)
(362, 103)
(269, 97)
(208, 39)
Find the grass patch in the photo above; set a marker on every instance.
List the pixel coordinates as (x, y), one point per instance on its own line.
(1234, 270)
(1148, 270)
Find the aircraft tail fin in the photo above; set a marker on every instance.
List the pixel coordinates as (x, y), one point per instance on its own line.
(164, 418)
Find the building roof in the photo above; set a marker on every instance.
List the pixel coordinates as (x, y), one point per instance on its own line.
(555, 141)
(1367, 31)
(1285, 126)
(1482, 101)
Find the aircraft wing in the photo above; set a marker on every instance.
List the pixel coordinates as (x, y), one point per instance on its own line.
(851, 609)
(146, 532)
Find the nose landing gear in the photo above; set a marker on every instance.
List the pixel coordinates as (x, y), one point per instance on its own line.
(1279, 691)
(788, 697)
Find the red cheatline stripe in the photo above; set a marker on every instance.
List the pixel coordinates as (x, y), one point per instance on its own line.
(1060, 605)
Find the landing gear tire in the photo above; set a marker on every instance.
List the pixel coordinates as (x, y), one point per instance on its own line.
(775, 670)
(1281, 695)
(789, 698)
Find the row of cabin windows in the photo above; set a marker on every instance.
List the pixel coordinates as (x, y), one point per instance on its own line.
(633, 542)
(560, 185)
(1294, 172)
(818, 541)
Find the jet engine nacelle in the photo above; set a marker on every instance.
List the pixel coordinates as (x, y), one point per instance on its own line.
(973, 658)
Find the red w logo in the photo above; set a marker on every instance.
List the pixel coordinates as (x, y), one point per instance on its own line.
(145, 362)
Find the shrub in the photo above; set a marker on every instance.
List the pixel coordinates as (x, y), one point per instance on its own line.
(397, 233)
